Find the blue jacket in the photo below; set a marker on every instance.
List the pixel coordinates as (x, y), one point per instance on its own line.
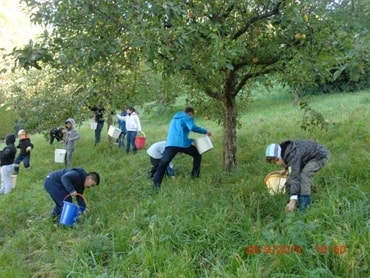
(179, 129)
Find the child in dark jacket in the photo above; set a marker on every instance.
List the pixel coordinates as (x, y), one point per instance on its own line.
(301, 160)
(25, 147)
(7, 156)
(56, 134)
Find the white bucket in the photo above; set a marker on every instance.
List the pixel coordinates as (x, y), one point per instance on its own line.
(93, 125)
(59, 155)
(114, 132)
(203, 144)
(14, 181)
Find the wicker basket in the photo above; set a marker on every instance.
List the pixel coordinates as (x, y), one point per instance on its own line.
(275, 182)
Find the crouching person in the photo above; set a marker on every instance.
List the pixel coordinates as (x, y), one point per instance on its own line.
(155, 153)
(301, 159)
(56, 134)
(62, 183)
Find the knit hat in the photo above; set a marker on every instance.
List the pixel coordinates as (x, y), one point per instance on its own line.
(273, 150)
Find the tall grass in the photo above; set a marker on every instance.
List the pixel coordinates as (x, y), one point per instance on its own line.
(203, 227)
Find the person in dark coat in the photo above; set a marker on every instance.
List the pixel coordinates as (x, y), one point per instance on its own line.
(301, 160)
(25, 145)
(67, 183)
(99, 111)
(7, 156)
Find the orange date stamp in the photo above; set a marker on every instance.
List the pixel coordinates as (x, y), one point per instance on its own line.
(293, 249)
(336, 249)
(273, 250)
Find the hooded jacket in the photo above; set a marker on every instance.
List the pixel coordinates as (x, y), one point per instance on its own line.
(296, 154)
(7, 155)
(132, 121)
(179, 129)
(71, 135)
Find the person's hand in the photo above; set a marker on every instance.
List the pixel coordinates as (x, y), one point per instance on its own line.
(209, 133)
(28, 149)
(290, 206)
(282, 172)
(74, 193)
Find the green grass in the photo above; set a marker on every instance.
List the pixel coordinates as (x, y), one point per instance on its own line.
(201, 227)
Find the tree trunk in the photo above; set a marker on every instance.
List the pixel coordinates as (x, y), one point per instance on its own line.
(229, 116)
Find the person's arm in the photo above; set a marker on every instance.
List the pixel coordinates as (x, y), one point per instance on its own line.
(122, 118)
(68, 179)
(74, 135)
(138, 124)
(295, 182)
(194, 128)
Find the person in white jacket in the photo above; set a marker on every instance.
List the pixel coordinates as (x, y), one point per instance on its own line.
(155, 153)
(133, 125)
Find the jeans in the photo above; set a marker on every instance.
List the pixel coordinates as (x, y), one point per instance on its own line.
(304, 201)
(98, 130)
(131, 136)
(26, 162)
(121, 140)
(168, 154)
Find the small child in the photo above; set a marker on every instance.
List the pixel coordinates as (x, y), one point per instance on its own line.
(71, 136)
(302, 159)
(7, 156)
(56, 134)
(155, 153)
(25, 147)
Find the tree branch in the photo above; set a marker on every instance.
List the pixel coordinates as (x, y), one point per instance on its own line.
(273, 11)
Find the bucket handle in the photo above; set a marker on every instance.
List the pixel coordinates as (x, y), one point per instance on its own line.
(143, 133)
(78, 194)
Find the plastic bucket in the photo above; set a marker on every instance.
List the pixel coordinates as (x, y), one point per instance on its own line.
(71, 212)
(93, 125)
(14, 181)
(275, 182)
(203, 144)
(114, 132)
(59, 155)
(140, 141)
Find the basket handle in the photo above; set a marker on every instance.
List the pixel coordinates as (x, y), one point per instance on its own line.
(274, 173)
(143, 133)
(78, 194)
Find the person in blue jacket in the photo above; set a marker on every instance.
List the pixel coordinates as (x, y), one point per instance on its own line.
(178, 141)
(61, 183)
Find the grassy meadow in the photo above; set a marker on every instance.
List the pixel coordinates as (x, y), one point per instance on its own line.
(221, 225)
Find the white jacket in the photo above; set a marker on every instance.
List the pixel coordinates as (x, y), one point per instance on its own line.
(132, 121)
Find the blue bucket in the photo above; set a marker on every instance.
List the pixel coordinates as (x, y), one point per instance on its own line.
(69, 214)
(71, 211)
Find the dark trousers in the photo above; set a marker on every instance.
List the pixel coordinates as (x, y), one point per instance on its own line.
(121, 140)
(168, 154)
(98, 130)
(155, 163)
(58, 192)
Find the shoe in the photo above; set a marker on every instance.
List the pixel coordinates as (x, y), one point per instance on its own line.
(55, 217)
(155, 190)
